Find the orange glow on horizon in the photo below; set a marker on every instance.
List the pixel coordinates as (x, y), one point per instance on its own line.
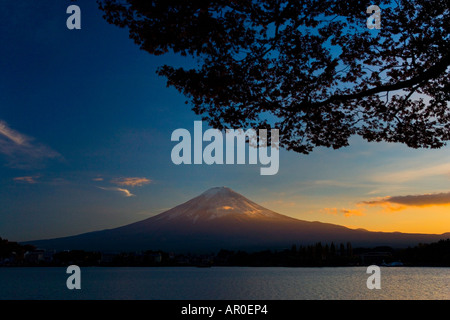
(430, 219)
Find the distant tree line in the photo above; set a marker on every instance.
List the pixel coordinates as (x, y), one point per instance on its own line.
(431, 254)
(315, 255)
(13, 250)
(77, 257)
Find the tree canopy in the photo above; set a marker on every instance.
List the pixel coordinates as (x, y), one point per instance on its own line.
(312, 69)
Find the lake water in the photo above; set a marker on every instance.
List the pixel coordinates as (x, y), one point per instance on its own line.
(225, 283)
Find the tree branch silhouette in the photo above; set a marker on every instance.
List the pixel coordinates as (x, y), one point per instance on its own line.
(310, 68)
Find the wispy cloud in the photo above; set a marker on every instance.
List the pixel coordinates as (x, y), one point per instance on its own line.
(27, 179)
(131, 182)
(352, 212)
(14, 136)
(123, 192)
(419, 200)
(345, 212)
(124, 182)
(22, 151)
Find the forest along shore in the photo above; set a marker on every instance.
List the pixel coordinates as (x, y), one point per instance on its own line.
(437, 254)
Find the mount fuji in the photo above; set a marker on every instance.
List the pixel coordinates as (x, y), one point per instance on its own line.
(221, 218)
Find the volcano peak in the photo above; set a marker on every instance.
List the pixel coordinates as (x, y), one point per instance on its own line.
(218, 202)
(217, 190)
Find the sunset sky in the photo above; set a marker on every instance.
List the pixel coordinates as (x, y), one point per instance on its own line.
(85, 143)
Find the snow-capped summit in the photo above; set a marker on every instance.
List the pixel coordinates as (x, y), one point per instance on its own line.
(216, 203)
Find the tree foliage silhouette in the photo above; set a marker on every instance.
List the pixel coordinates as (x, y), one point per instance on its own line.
(312, 69)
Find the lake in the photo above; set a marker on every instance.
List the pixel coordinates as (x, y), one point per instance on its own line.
(225, 283)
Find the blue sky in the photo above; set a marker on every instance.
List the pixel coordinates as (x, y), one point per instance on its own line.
(84, 119)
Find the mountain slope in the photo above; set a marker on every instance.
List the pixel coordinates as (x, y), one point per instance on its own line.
(221, 218)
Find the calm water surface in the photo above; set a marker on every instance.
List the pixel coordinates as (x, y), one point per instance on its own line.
(230, 283)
